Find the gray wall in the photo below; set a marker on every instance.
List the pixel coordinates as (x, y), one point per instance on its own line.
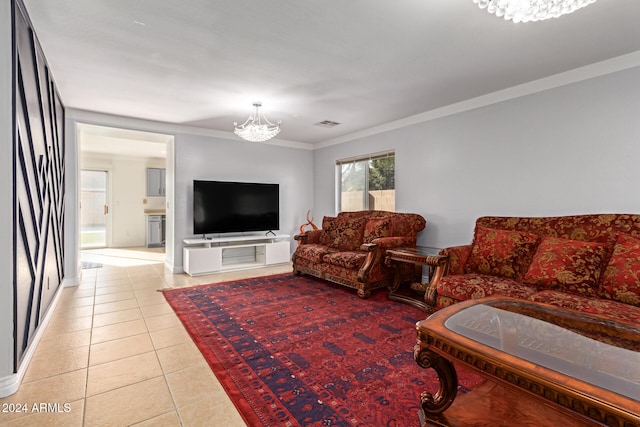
(206, 158)
(569, 150)
(199, 154)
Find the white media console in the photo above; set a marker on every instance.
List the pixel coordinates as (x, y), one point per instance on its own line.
(214, 255)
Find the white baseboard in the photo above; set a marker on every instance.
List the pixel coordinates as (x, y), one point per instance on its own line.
(172, 268)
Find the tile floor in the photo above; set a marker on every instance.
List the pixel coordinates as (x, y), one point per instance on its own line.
(115, 354)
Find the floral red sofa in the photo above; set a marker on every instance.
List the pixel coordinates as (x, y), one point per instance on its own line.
(349, 249)
(589, 263)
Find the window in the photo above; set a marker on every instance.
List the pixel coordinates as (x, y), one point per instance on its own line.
(367, 183)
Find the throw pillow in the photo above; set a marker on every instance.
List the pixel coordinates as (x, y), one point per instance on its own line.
(505, 253)
(344, 234)
(329, 230)
(376, 228)
(570, 266)
(621, 278)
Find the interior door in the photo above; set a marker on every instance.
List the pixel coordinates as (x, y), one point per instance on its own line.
(94, 208)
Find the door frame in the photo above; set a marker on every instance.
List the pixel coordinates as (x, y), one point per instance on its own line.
(108, 201)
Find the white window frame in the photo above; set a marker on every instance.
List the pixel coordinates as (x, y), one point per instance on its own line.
(356, 159)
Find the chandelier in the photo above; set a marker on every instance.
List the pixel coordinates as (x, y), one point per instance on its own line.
(257, 128)
(531, 10)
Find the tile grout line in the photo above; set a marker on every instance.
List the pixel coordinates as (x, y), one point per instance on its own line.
(86, 382)
(155, 351)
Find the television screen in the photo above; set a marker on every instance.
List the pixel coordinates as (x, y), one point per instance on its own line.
(228, 207)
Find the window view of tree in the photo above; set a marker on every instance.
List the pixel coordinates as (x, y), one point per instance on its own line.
(382, 174)
(368, 183)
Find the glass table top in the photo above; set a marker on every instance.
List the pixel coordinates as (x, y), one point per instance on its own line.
(606, 354)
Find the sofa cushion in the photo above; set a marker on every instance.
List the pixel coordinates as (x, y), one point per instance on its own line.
(571, 266)
(588, 228)
(404, 224)
(472, 285)
(609, 308)
(505, 253)
(343, 233)
(352, 260)
(313, 252)
(376, 228)
(621, 277)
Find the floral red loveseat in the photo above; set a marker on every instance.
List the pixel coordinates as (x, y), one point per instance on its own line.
(589, 263)
(349, 249)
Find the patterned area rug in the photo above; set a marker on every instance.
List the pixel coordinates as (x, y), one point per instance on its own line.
(298, 351)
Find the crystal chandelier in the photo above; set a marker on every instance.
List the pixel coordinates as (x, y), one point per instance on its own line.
(257, 128)
(531, 10)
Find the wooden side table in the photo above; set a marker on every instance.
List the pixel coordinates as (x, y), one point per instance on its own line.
(419, 256)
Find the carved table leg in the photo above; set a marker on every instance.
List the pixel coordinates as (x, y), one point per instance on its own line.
(438, 403)
(393, 286)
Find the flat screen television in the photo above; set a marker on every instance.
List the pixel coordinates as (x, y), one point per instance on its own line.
(231, 207)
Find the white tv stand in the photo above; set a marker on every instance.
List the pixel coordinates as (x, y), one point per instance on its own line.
(213, 255)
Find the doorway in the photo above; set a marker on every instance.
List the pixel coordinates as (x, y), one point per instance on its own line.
(115, 216)
(94, 208)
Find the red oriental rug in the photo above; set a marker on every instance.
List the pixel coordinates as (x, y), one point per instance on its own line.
(298, 351)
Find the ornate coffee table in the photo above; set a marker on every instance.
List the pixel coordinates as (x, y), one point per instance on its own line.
(583, 364)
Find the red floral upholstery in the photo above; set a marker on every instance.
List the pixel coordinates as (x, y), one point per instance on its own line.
(458, 256)
(351, 260)
(461, 287)
(621, 279)
(342, 233)
(376, 228)
(349, 249)
(314, 252)
(568, 265)
(590, 228)
(505, 253)
(588, 305)
(589, 263)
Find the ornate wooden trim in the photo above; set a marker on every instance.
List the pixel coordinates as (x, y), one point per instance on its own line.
(439, 265)
(431, 294)
(364, 290)
(373, 258)
(585, 401)
(447, 377)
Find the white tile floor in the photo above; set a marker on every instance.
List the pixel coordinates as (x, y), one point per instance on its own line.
(115, 354)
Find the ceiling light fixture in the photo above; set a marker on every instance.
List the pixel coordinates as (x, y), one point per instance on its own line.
(531, 10)
(257, 128)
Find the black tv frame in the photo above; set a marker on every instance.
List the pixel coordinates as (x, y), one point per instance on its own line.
(223, 207)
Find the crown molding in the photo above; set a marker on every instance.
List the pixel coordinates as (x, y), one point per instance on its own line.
(587, 72)
(104, 119)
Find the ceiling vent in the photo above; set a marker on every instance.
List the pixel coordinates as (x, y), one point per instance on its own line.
(327, 124)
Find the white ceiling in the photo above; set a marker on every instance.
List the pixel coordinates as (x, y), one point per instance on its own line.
(108, 141)
(361, 63)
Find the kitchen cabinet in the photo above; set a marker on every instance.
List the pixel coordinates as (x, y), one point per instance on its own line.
(156, 182)
(155, 231)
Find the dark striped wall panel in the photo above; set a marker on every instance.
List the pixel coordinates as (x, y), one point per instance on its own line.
(39, 184)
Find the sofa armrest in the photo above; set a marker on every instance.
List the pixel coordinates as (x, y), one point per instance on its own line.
(376, 250)
(374, 255)
(440, 269)
(458, 256)
(311, 236)
(453, 261)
